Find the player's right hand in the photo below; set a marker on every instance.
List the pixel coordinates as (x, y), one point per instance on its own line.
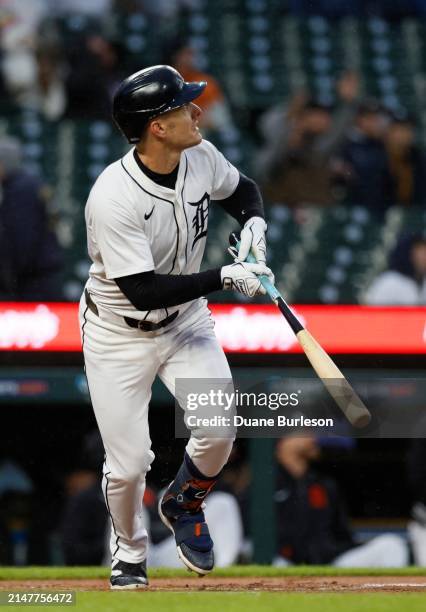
(243, 277)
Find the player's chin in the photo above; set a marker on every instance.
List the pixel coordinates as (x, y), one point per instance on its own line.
(195, 139)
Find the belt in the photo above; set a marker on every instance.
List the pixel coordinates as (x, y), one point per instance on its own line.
(147, 326)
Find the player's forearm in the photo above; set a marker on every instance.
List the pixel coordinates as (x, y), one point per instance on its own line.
(245, 202)
(149, 291)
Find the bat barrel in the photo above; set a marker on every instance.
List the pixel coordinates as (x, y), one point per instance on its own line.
(336, 384)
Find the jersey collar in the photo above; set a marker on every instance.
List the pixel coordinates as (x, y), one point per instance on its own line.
(138, 175)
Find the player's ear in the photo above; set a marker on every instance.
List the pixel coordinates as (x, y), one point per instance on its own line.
(157, 128)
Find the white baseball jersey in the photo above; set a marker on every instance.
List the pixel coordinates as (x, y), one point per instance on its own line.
(135, 225)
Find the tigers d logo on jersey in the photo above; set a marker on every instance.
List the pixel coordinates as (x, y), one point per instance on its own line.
(199, 220)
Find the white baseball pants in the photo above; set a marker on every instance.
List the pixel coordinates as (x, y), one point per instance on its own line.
(121, 365)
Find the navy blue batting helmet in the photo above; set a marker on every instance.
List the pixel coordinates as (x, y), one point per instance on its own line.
(148, 93)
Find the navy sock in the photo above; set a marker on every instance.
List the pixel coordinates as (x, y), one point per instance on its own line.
(195, 472)
(188, 490)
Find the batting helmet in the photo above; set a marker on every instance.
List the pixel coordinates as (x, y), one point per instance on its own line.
(149, 93)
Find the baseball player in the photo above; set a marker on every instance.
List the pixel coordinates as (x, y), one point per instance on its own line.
(143, 314)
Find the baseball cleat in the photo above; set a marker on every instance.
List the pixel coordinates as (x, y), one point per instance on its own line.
(193, 541)
(129, 576)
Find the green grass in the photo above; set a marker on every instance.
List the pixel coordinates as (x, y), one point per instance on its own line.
(253, 601)
(247, 602)
(63, 573)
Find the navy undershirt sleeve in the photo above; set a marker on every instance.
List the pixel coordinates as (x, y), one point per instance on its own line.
(149, 291)
(245, 202)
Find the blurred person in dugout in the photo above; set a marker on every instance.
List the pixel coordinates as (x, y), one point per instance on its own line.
(16, 514)
(404, 282)
(295, 165)
(313, 526)
(85, 525)
(416, 475)
(31, 258)
(216, 116)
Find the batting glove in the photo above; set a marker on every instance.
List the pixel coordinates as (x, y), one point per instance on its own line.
(243, 277)
(253, 237)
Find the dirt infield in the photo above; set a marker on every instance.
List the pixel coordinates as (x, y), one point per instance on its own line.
(291, 584)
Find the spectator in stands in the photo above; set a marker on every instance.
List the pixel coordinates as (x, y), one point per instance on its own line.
(19, 23)
(45, 91)
(94, 73)
(404, 282)
(216, 115)
(30, 256)
(313, 526)
(295, 166)
(407, 162)
(365, 168)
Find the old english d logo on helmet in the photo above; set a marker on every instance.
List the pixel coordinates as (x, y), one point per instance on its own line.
(149, 93)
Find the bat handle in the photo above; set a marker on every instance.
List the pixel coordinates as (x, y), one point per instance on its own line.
(270, 289)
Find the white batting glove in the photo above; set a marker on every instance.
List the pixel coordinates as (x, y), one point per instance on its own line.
(253, 237)
(243, 277)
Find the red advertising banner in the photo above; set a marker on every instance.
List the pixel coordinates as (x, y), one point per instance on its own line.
(246, 328)
(39, 327)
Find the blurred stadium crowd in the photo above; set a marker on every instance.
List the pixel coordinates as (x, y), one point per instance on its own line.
(323, 103)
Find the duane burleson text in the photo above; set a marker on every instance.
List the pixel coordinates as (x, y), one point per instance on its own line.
(240, 421)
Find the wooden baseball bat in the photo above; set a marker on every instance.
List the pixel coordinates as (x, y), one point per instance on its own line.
(334, 381)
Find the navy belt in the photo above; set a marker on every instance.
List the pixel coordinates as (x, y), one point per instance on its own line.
(147, 326)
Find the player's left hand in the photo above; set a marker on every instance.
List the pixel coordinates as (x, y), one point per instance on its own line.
(253, 237)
